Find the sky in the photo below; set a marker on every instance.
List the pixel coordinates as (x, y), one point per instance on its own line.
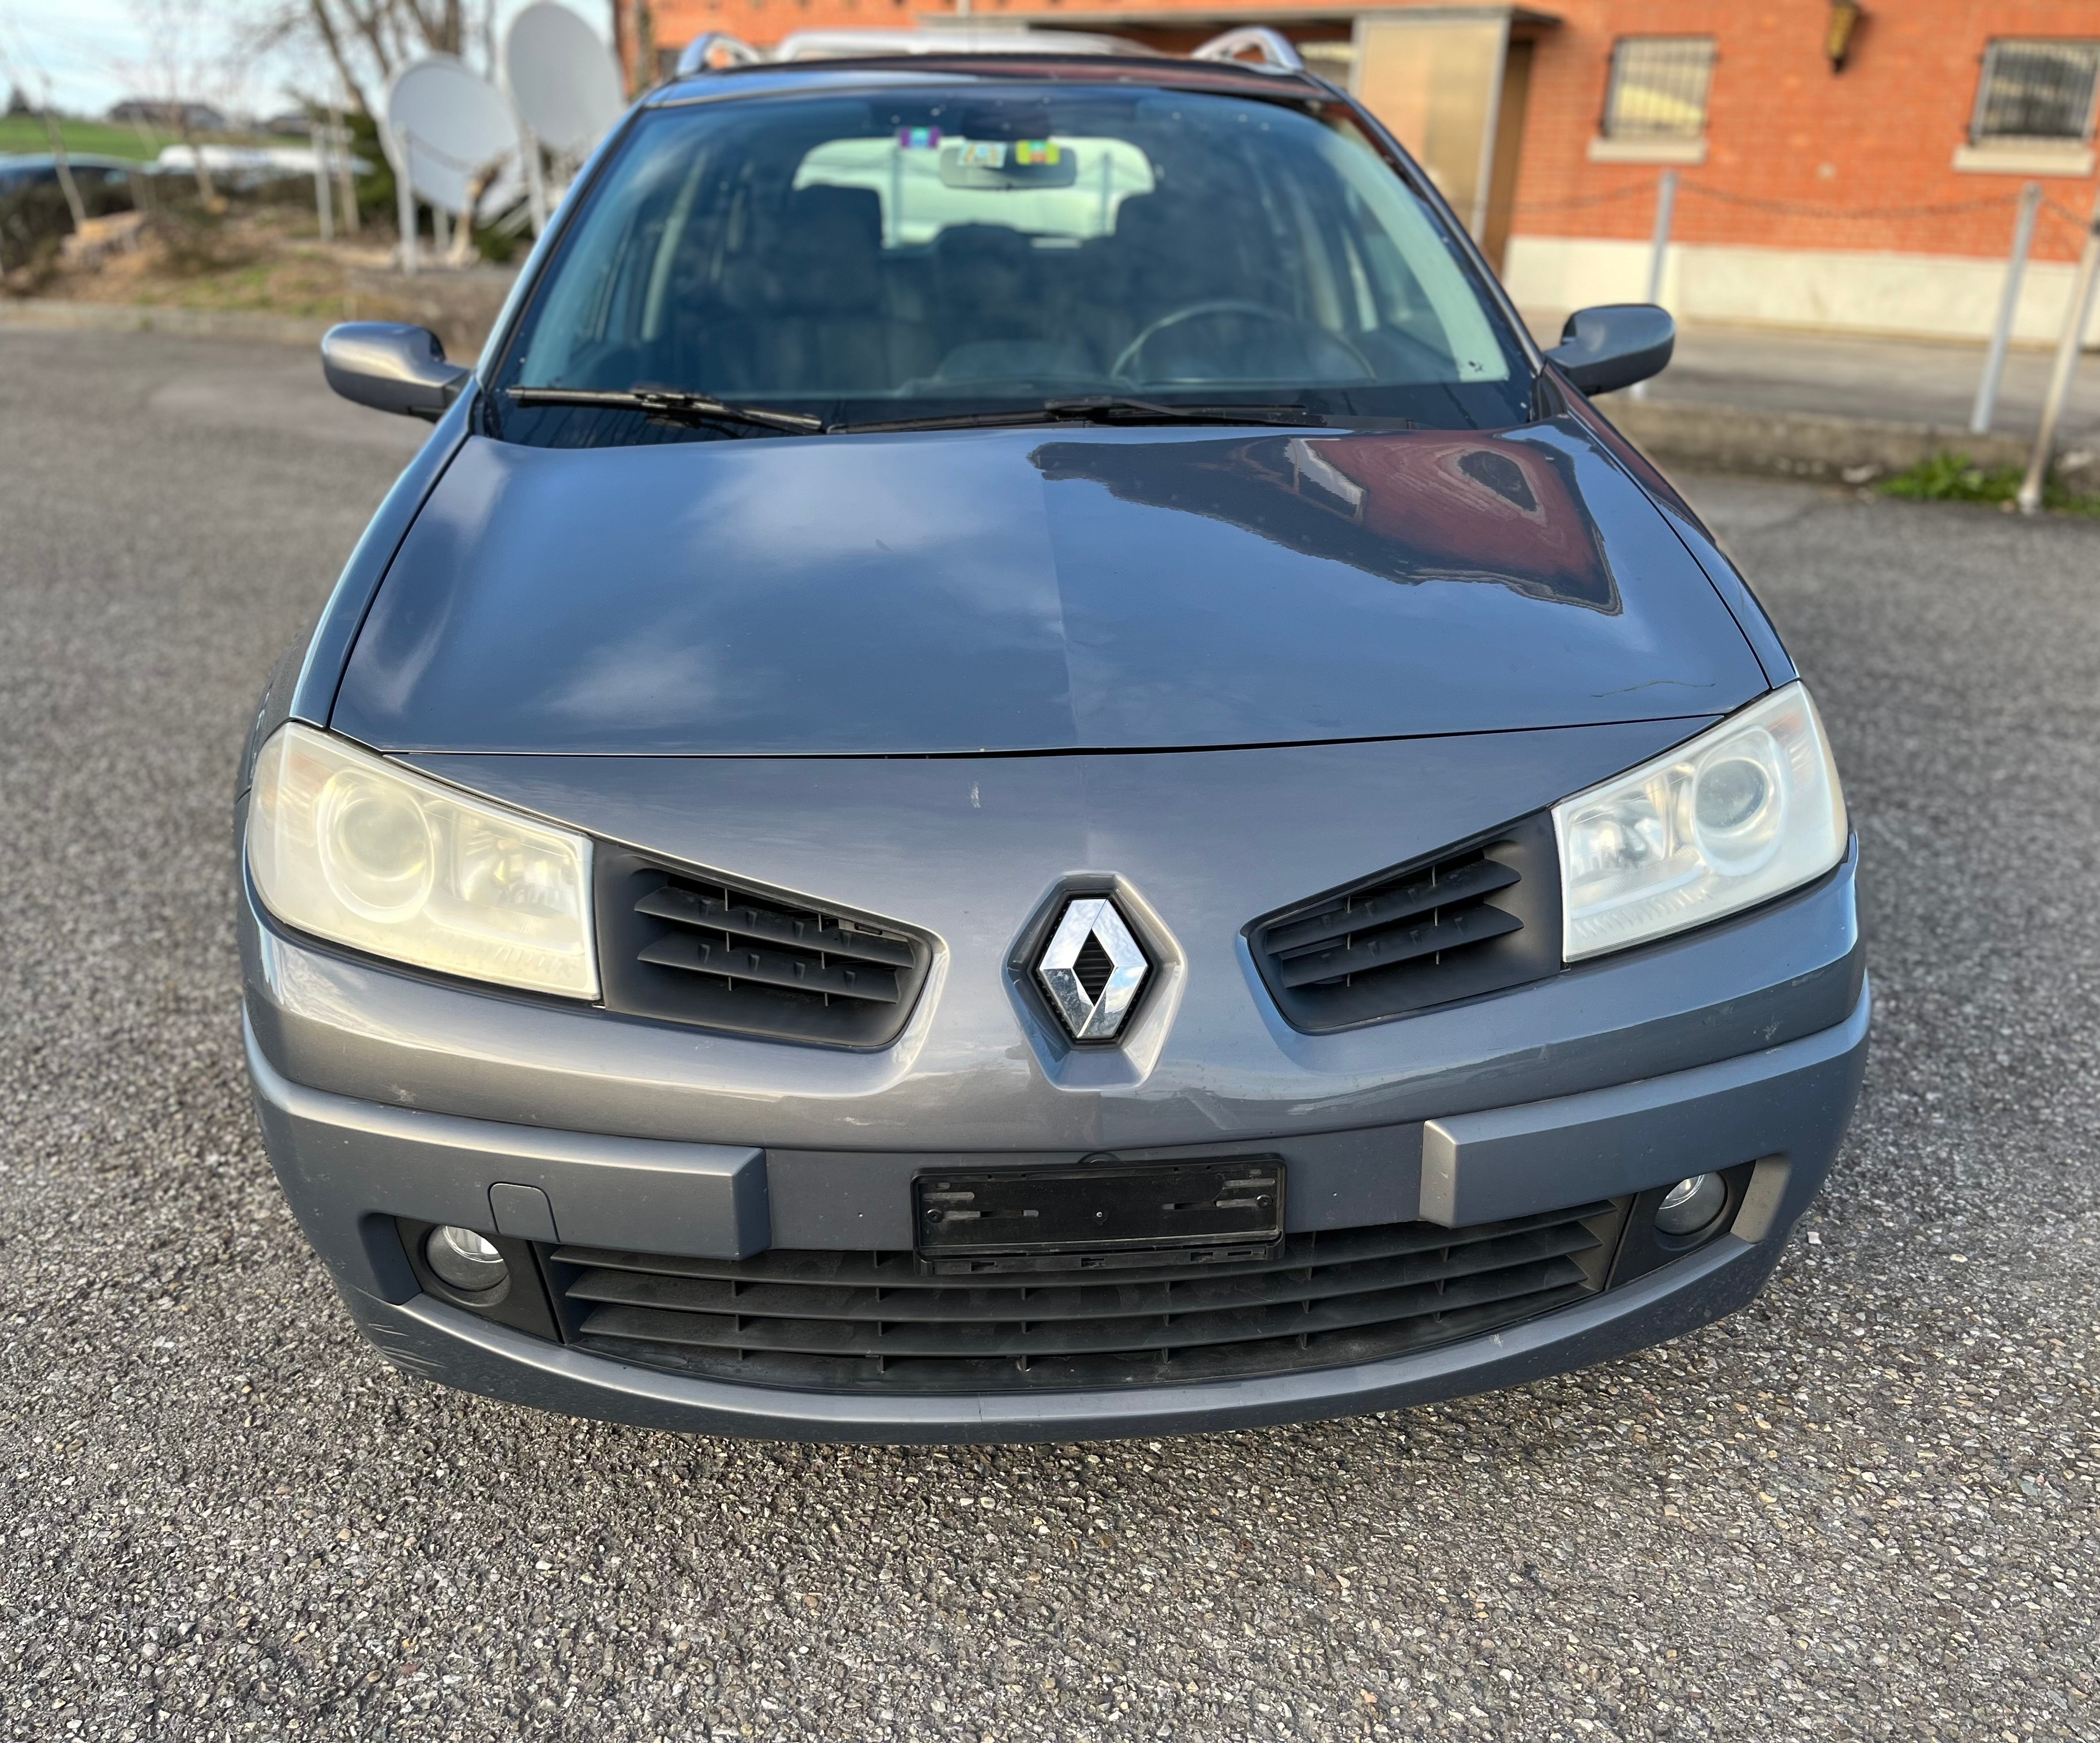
(88, 50)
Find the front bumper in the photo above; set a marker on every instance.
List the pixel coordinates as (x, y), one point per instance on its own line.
(390, 1098)
(352, 1167)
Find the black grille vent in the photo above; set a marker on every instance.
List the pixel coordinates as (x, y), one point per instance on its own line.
(1093, 966)
(1476, 919)
(872, 1322)
(678, 944)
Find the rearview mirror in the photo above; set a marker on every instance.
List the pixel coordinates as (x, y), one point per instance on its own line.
(1614, 346)
(391, 368)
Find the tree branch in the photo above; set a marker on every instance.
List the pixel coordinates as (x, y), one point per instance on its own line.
(332, 39)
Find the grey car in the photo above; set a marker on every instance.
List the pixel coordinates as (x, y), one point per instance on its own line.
(1014, 769)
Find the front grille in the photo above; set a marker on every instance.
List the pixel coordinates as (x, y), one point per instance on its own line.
(1474, 919)
(679, 945)
(876, 1322)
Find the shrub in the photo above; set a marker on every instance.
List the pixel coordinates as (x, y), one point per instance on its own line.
(1947, 476)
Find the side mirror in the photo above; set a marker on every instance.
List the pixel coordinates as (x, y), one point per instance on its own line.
(1614, 346)
(391, 368)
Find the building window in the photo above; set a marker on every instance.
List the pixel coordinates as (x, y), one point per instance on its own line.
(2036, 90)
(1658, 89)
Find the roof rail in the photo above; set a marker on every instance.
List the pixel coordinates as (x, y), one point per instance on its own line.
(1275, 49)
(713, 51)
(1271, 50)
(968, 38)
(718, 50)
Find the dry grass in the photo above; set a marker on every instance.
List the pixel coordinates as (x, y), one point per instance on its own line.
(268, 259)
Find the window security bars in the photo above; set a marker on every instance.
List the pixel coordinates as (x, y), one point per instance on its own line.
(2036, 90)
(1658, 88)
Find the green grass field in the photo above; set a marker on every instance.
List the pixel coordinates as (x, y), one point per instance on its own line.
(25, 133)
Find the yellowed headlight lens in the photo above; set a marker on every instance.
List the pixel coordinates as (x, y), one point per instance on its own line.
(353, 848)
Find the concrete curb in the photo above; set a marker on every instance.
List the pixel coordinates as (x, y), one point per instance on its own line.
(1797, 444)
(459, 306)
(1716, 438)
(57, 314)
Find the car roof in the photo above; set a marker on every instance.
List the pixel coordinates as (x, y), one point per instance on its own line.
(1158, 71)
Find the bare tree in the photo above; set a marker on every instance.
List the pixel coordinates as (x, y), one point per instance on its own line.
(192, 63)
(49, 116)
(644, 46)
(368, 42)
(66, 184)
(321, 19)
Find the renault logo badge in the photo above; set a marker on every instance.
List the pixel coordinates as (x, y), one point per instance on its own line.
(1092, 969)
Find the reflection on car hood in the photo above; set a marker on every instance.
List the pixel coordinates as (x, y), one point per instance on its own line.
(1016, 590)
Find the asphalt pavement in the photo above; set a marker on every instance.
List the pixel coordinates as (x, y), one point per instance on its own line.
(1895, 380)
(1863, 1507)
(1871, 375)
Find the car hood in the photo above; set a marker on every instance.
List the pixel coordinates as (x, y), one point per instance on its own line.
(1033, 589)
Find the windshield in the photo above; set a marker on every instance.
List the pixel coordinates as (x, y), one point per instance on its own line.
(951, 250)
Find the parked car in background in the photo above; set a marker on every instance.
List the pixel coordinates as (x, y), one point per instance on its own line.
(248, 167)
(1015, 769)
(32, 202)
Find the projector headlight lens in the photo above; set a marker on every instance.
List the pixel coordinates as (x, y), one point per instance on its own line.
(1743, 813)
(358, 850)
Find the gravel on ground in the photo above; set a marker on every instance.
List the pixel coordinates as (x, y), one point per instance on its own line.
(1862, 1507)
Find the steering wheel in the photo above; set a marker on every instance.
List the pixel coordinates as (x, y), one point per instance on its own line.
(1318, 337)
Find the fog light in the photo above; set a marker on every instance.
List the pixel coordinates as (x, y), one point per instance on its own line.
(1691, 1204)
(464, 1259)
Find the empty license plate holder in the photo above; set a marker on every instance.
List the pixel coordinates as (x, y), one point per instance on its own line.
(1101, 1215)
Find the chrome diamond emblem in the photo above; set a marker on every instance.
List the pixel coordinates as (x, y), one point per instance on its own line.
(1092, 969)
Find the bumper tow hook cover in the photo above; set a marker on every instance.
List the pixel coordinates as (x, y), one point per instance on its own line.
(523, 1212)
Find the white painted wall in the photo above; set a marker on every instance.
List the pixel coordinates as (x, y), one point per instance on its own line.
(1930, 295)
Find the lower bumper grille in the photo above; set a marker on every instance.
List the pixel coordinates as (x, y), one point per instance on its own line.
(873, 1322)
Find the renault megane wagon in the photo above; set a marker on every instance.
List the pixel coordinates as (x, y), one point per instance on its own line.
(1015, 769)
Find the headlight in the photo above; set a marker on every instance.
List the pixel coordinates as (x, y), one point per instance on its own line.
(350, 847)
(1741, 814)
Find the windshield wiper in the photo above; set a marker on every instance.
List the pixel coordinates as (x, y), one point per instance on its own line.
(1098, 408)
(664, 403)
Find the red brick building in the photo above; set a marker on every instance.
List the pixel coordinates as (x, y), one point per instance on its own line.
(1835, 166)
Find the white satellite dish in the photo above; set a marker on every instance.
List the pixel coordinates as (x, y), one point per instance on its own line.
(562, 78)
(446, 125)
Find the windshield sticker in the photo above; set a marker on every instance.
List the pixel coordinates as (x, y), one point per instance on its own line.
(918, 138)
(981, 154)
(1035, 151)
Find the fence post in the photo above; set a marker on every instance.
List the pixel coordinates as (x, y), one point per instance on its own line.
(346, 177)
(322, 211)
(1666, 208)
(2075, 319)
(2009, 304)
(405, 200)
(536, 178)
